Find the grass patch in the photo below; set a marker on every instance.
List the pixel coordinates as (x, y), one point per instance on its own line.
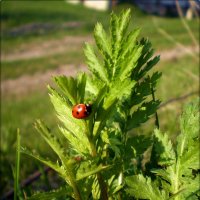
(179, 77)
(21, 113)
(45, 11)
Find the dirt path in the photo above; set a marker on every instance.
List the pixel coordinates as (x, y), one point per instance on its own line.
(27, 83)
(38, 49)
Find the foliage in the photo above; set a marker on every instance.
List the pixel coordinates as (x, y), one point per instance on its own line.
(103, 160)
(175, 166)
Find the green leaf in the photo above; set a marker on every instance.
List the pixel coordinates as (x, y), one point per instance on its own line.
(141, 69)
(164, 174)
(110, 137)
(180, 179)
(190, 159)
(190, 188)
(118, 28)
(52, 141)
(129, 63)
(144, 87)
(94, 64)
(134, 144)
(148, 66)
(142, 188)
(115, 145)
(119, 91)
(65, 170)
(129, 43)
(102, 41)
(163, 147)
(81, 84)
(56, 167)
(64, 112)
(83, 146)
(103, 117)
(95, 189)
(124, 20)
(115, 35)
(96, 109)
(57, 194)
(142, 114)
(189, 124)
(68, 85)
(93, 84)
(73, 89)
(116, 185)
(87, 169)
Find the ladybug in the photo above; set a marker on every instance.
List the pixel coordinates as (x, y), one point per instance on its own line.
(81, 111)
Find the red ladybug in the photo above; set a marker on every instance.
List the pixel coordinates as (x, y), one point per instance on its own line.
(81, 111)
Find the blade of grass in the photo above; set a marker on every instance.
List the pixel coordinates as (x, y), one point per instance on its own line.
(193, 6)
(17, 166)
(171, 39)
(180, 13)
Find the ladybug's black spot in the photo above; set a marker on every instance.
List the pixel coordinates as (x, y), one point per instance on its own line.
(77, 113)
(79, 106)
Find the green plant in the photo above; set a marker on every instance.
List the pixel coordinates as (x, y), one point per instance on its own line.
(175, 166)
(105, 159)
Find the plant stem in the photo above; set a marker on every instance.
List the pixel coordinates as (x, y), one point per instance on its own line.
(176, 179)
(72, 181)
(103, 187)
(77, 194)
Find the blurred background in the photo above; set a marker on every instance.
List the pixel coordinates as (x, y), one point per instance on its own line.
(40, 39)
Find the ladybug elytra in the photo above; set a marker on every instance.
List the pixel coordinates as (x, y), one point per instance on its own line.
(81, 111)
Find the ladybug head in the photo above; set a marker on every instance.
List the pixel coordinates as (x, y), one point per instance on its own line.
(88, 108)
